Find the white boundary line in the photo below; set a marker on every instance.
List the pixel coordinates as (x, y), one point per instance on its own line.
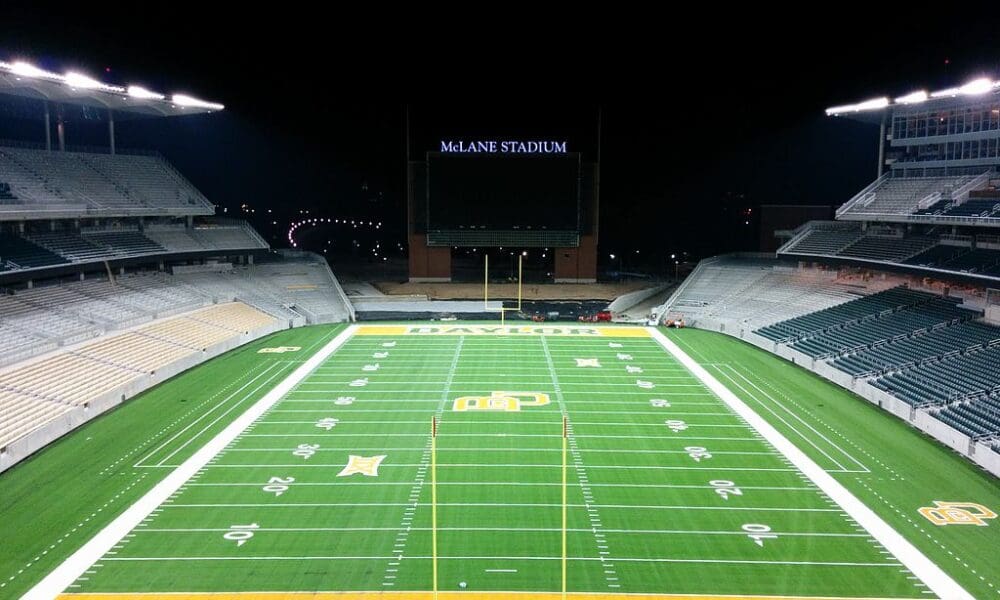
(929, 573)
(73, 567)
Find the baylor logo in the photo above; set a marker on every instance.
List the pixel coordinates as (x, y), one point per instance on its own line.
(957, 513)
(500, 401)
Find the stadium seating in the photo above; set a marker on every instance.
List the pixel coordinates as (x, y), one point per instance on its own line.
(825, 241)
(903, 195)
(19, 253)
(105, 184)
(868, 306)
(886, 248)
(6, 196)
(854, 335)
(954, 377)
(977, 418)
(911, 350)
(33, 394)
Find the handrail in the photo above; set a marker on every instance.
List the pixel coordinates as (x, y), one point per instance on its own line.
(961, 195)
(863, 193)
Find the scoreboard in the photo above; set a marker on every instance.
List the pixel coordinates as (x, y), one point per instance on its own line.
(503, 191)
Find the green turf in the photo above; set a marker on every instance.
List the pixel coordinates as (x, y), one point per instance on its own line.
(634, 491)
(54, 501)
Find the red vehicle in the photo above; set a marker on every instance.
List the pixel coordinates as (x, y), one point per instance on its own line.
(603, 316)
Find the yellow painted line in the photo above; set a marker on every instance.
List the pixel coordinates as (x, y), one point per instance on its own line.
(429, 595)
(505, 330)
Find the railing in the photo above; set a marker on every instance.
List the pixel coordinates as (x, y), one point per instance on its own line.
(960, 195)
(929, 200)
(253, 234)
(863, 194)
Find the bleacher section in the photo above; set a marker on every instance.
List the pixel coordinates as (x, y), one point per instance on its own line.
(903, 195)
(887, 248)
(960, 258)
(918, 347)
(820, 321)
(298, 288)
(977, 418)
(19, 253)
(825, 240)
(956, 376)
(34, 394)
(59, 183)
(862, 334)
(50, 248)
(756, 292)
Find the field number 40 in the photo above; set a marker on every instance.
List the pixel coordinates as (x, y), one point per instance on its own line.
(697, 453)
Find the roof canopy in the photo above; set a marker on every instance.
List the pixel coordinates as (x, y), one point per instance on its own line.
(972, 89)
(28, 81)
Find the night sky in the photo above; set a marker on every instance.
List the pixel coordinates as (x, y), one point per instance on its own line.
(702, 117)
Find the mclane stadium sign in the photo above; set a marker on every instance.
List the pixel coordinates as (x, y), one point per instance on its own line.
(502, 147)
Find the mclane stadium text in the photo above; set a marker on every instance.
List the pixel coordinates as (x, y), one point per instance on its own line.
(502, 147)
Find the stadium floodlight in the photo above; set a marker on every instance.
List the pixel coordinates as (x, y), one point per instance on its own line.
(972, 88)
(188, 101)
(913, 98)
(976, 87)
(142, 93)
(83, 82)
(24, 69)
(874, 104)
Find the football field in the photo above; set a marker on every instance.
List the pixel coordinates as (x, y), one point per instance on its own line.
(590, 461)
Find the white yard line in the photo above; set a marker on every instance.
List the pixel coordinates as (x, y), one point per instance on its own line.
(77, 563)
(797, 417)
(513, 558)
(929, 573)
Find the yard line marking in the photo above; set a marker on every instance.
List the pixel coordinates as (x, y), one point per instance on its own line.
(595, 520)
(587, 506)
(208, 412)
(932, 575)
(519, 483)
(74, 566)
(512, 529)
(512, 558)
(797, 417)
(506, 466)
(404, 527)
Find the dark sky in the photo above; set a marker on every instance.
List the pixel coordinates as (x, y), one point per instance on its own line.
(704, 114)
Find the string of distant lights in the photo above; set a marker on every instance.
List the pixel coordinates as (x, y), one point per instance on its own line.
(354, 223)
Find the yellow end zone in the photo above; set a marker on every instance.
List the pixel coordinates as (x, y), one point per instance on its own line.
(510, 330)
(431, 596)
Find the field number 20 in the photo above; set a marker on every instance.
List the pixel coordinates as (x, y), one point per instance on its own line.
(725, 488)
(278, 485)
